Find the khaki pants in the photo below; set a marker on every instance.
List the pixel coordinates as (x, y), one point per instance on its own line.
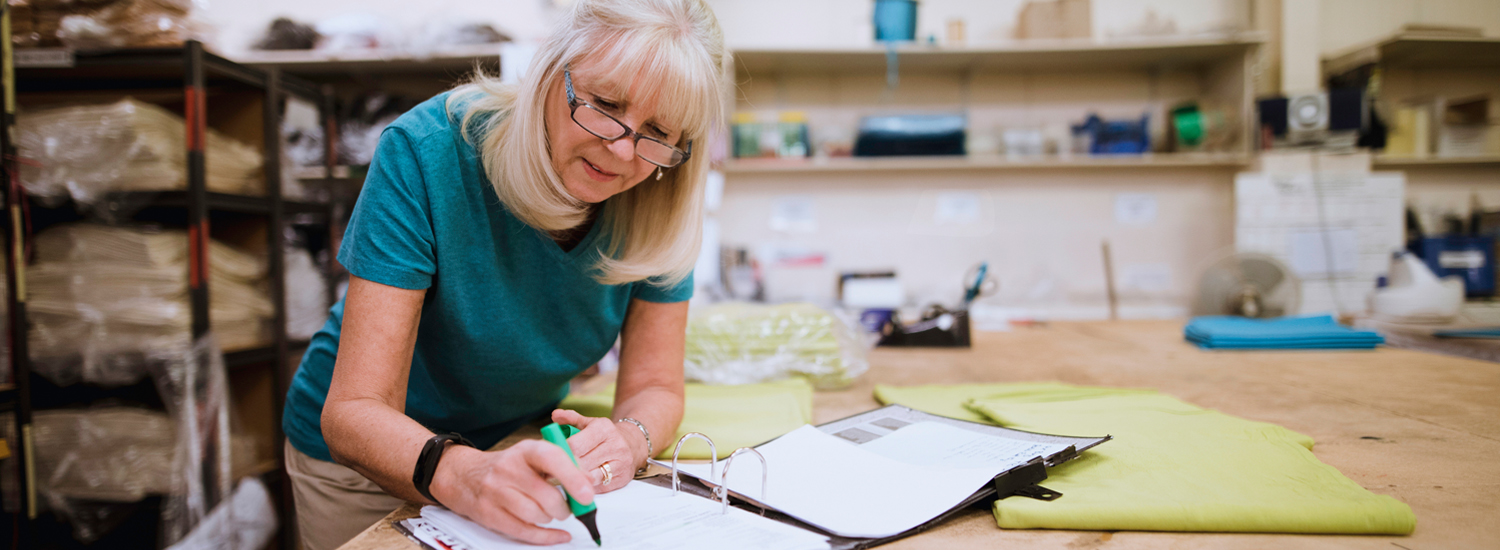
(334, 503)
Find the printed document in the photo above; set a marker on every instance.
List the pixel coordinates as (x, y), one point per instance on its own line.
(637, 517)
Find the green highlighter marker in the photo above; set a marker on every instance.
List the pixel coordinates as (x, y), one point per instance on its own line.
(553, 433)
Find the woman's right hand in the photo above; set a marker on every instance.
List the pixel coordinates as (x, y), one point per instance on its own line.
(507, 490)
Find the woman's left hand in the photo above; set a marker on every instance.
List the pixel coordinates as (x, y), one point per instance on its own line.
(604, 444)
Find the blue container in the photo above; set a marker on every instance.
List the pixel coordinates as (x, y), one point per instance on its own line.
(1116, 137)
(1472, 258)
(895, 20)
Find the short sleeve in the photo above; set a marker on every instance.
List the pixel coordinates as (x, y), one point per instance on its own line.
(651, 290)
(389, 239)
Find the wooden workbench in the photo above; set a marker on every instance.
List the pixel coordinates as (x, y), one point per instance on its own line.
(1422, 428)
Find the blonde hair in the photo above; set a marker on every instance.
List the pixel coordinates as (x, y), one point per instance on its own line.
(676, 50)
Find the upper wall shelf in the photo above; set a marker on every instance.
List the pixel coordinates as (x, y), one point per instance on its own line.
(991, 162)
(1419, 51)
(459, 59)
(1032, 54)
(1382, 161)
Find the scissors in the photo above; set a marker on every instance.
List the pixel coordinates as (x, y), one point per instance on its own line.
(977, 282)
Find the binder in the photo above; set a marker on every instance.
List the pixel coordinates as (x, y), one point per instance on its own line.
(1020, 481)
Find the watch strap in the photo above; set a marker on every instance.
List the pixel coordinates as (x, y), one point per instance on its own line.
(427, 462)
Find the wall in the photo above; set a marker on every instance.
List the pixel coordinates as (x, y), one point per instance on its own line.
(1350, 23)
(240, 23)
(1040, 228)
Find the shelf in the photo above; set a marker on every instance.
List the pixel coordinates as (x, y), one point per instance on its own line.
(65, 69)
(256, 355)
(1032, 54)
(219, 202)
(1381, 161)
(863, 164)
(249, 356)
(340, 172)
(374, 61)
(1419, 51)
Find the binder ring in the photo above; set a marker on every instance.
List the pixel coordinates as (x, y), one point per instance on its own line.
(722, 491)
(713, 464)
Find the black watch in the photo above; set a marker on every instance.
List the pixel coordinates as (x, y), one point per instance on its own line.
(427, 462)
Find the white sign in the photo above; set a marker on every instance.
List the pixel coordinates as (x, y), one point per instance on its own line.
(794, 214)
(1135, 208)
(956, 208)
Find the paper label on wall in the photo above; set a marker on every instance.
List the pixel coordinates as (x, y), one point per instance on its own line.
(1135, 208)
(794, 214)
(1151, 277)
(1334, 230)
(1312, 252)
(956, 208)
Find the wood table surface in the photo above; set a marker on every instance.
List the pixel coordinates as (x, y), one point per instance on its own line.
(1419, 427)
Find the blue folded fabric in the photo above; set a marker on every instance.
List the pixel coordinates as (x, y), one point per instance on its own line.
(1311, 332)
(1478, 333)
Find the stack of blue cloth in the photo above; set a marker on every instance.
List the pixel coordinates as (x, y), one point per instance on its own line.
(1312, 332)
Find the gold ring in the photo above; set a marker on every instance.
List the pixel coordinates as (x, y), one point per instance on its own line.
(608, 476)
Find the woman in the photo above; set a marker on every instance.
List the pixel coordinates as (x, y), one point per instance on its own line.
(505, 238)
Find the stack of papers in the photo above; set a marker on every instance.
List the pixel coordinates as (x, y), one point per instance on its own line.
(639, 516)
(1313, 332)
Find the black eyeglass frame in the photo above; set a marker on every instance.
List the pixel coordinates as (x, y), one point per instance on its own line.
(574, 103)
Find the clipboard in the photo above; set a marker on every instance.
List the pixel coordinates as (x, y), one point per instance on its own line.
(1020, 481)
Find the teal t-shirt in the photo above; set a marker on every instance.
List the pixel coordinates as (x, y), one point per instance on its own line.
(509, 317)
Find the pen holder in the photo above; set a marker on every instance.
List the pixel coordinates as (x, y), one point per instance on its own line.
(938, 329)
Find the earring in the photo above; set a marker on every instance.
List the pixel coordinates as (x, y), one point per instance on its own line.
(658, 173)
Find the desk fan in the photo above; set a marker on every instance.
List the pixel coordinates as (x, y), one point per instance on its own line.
(1247, 284)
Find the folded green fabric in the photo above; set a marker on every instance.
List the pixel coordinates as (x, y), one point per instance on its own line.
(1171, 467)
(733, 416)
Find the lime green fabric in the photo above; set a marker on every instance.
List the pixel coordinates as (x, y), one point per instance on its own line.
(733, 416)
(1171, 467)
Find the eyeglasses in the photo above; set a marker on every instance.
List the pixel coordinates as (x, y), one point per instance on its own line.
(608, 128)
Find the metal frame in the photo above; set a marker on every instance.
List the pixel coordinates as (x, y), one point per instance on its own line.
(197, 66)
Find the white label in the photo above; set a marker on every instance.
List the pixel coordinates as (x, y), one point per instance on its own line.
(956, 208)
(1461, 259)
(1135, 208)
(1146, 277)
(794, 214)
(1313, 251)
(43, 57)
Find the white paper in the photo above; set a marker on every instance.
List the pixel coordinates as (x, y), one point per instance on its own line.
(848, 490)
(1146, 277)
(938, 445)
(1312, 251)
(956, 208)
(1135, 208)
(1285, 213)
(646, 517)
(794, 214)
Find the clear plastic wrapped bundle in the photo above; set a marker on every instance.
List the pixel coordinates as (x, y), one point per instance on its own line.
(130, 24)
(739, 343)
(92, 463)
(194, 384)
(102, 297)
(306, 295)
(87, 151)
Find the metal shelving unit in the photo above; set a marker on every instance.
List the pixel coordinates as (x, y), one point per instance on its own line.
(198, 75)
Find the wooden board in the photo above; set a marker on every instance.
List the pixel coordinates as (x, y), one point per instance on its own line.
(1435, 420)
